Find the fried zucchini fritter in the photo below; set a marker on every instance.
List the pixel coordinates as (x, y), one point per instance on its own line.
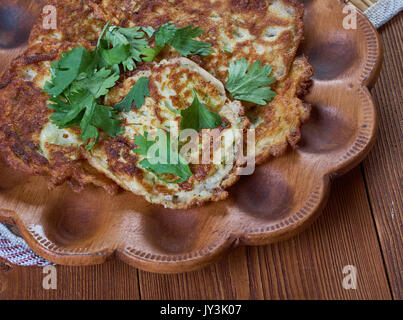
(171, 83)
(23, 116)
(265, 30)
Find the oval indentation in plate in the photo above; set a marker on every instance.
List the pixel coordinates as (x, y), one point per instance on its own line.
(172, 231)
(331, 57)
(326, 131)
(15, 25)
(74, 219)
(265, 194)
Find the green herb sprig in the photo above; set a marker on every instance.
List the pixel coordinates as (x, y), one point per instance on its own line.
(250, 83)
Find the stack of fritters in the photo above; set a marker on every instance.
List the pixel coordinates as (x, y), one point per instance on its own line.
(265, 30)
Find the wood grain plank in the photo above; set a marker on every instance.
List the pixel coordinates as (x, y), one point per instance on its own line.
(113, 280)
(362, 4)
(308, 266)
(384, 167)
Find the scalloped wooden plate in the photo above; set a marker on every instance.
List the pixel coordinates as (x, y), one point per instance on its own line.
(279, 200)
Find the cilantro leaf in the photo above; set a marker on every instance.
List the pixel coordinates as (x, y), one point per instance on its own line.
(180, 169)
(66, 70)
(78, 105)
(107, 120)
(136, 95)
(198, 117)
(250, 83)
(182, 39)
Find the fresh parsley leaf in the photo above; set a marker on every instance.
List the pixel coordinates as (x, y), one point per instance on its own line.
(149, 31)
(69, 110)
(106, 119)
(143, 143)
(80, 108)
(88, 130)
(99, 83)
(250, 84)
(116, 55)
(149, 54)
(101, 36)
(64, 116)
(182, 39)
(135, 96)
(181, 169)
(66, 70)
(102, 117)
(130, 38)
(198, 117)
(81, 77)
(165, 34)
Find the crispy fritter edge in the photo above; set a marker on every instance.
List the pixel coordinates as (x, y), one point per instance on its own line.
(303, 89)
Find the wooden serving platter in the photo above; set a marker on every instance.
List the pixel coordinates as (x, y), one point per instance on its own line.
(282, 198)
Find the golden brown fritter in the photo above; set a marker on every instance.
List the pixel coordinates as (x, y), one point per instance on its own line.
(171, 83)
(23, 115)
(266, 30)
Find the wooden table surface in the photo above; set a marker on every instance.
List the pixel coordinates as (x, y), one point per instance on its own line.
(362, 226)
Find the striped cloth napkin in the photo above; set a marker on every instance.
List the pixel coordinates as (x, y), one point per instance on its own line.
(382, 11)
(14, 249)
